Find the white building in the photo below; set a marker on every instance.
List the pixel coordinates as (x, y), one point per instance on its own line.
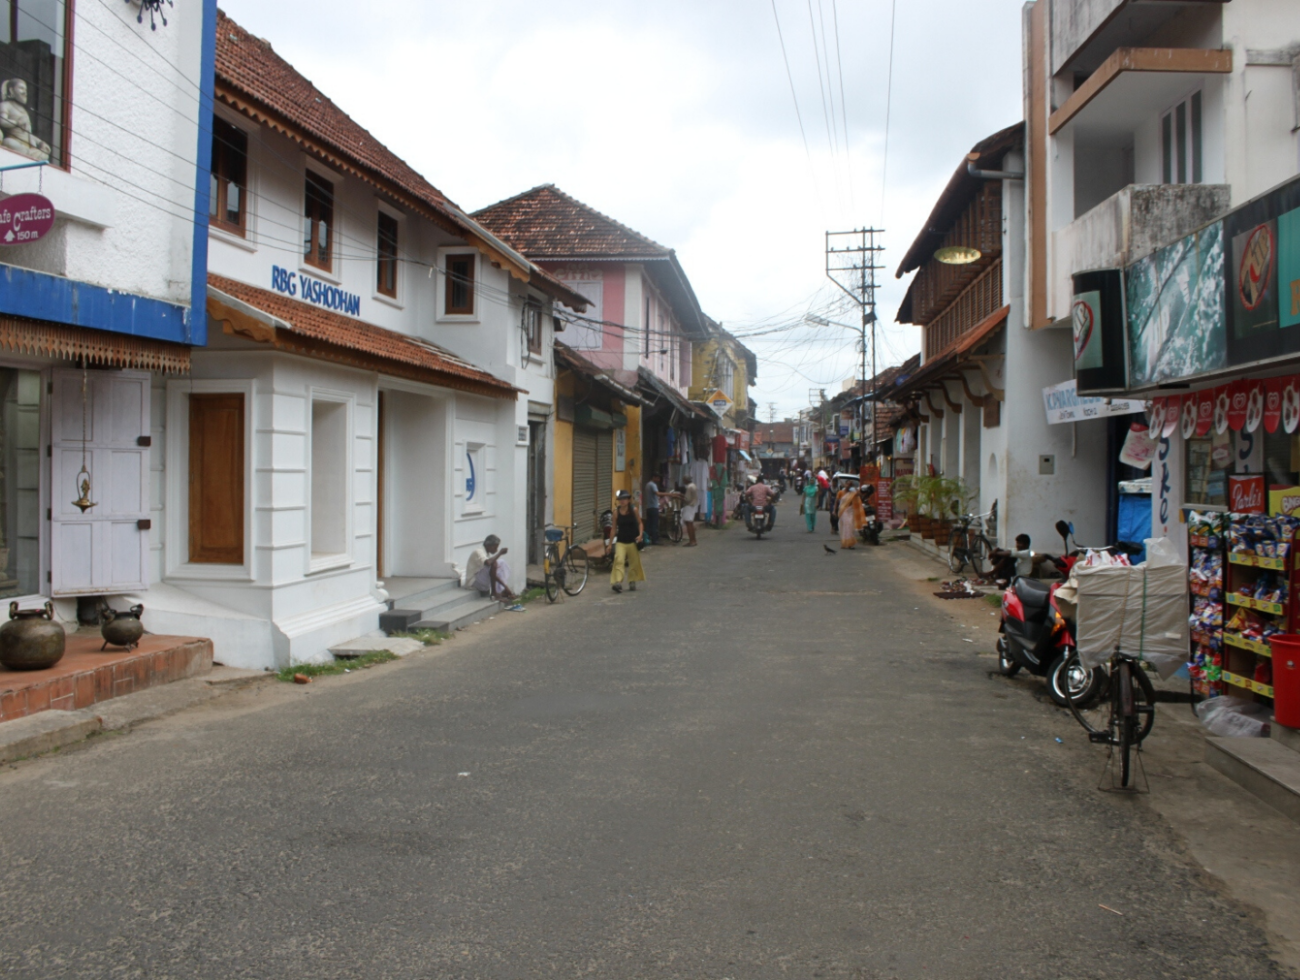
(107, 132)
(361, 415)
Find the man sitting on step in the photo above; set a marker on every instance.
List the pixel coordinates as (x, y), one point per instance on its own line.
(487, 570)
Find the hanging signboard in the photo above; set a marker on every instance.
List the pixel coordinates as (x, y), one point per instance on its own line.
(1097, 322)
(1064, 404)
(25, 218)
(1262, 276)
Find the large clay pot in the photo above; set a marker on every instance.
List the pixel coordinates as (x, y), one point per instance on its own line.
(122, 629)
(31, 640)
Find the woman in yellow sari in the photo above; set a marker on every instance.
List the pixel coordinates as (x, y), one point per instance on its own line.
(852, 518)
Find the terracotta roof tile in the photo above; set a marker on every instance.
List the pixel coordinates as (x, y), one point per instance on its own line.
(546, 223)
(248, 63)
(335, 330)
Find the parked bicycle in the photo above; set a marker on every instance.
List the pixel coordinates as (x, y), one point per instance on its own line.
(564, 569)
(967, 544)
(1131, 711)
(670, 521)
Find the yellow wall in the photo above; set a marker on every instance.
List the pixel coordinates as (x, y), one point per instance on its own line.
(630, 478)
(702, 358)
(562, 458)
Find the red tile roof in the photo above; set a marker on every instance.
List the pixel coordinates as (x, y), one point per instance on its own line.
(383, 350)
(546, 223)
(254, 79)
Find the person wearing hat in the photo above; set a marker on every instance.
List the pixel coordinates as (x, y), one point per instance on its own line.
(628, 530)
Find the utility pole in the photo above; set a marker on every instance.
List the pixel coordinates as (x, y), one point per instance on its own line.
(771, 411)
(851, 265)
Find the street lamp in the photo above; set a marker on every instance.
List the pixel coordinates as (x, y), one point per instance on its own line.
(868, 318)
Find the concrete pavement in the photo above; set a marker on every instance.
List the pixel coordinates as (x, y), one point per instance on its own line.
(767, 762)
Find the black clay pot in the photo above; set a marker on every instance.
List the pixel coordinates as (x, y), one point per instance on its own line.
(122, 629)
(31, 640)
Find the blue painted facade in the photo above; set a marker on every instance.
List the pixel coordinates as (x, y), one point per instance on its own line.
(41, 296)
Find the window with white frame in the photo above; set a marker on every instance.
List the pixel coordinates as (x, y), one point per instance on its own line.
(475, 477)
(34, 43)
(532, 325)
(726, 374)
(1181, 142)
(330, 480)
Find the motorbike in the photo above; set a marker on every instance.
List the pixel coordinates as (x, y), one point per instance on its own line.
(870, 530)
(1035, 635)
(758, 520)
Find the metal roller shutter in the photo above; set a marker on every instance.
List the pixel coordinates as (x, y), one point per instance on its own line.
(604, 474)
(584, 483)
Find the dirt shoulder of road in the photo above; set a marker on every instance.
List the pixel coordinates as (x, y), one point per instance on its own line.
(1251, 850)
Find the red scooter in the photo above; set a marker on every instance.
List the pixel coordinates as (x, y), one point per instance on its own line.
(1036, 636)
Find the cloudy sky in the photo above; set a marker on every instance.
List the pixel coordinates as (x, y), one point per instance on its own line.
(677, 118)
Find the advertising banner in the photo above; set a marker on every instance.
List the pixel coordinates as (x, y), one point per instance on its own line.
(1262, 278)
(1246, 494)
(885, 500)
(1175, 310)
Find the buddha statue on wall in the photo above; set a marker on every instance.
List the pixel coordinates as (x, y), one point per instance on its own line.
(16, 122)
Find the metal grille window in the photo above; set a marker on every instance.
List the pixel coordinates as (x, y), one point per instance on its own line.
(980, 298)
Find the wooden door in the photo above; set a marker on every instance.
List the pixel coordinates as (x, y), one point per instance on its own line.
(216, 497)
(106, 548)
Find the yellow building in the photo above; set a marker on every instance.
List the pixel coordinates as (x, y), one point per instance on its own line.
(723, 363)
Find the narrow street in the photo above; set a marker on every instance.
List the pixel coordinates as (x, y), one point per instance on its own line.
(737, 772)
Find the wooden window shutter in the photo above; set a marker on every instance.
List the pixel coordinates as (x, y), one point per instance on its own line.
(217, 479)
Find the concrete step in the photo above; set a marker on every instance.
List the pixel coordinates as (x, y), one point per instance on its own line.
(452, 616)
(1287, 736)
(426, 597)
(1264, 766)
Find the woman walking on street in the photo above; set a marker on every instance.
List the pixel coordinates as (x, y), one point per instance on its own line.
(852, 517)
(810, 505)
(628, 530)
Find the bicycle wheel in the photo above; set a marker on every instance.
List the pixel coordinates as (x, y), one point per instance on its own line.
(575, 570)
(1144, 704)
(979, 552)
(549, 568)
(675, 528)
(1095, 734)
(957, 552)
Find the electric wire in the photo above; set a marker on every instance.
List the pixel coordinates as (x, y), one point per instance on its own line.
(839, 68)
(889, 99)
(793, 95)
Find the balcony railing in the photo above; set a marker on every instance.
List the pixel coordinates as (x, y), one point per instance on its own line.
(977, 301)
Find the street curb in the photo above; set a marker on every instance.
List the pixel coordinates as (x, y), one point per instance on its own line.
(46, 731)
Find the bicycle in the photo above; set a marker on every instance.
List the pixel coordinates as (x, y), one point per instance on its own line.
(968, 545)
(1132, 711)
(671, 518)
(567, 570)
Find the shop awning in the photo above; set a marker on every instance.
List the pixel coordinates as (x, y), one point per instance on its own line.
(300, 328)
(658, 391)
(42, 338)
(567, 357)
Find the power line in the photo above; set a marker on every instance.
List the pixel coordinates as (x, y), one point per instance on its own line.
(839, 68)
(794, 97)
(889, 97)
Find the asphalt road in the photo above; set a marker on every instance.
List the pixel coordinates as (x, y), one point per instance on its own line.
(767, 762)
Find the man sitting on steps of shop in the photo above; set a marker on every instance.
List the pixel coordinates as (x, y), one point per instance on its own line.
(487, 570)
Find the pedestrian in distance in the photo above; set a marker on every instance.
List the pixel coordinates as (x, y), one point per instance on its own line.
(690, 507)
(651, 506)
(852, 517)
(833, 505)
(761, 495)
(809, 506)
(628, 530)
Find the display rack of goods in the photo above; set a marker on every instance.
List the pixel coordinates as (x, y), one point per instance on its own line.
(1205, 583)
(1261, 580)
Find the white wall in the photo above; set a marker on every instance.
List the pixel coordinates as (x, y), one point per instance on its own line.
(130, 188)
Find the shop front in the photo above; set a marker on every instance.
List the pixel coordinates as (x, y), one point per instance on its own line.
(1207, 337)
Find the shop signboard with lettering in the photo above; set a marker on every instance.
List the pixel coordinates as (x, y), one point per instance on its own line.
(25, 218)
(1064, 404)
(1246, 494)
